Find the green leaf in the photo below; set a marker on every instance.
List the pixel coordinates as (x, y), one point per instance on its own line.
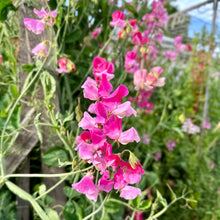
(5, 6)
(112, 207)
(131, 9)
(161, 200)
(145, 205)
(136, 202)
(13, 91)
(28, 67)
(52, 214)
(36, 121)
(70, 192)
(24, 195)
(53, 155)
(74, 36)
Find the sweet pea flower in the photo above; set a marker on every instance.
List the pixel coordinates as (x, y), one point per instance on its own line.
(37, 26)
(1, 59)
(130, 63)
(118, 19)
(170, 144)
(130, 192)
(170, 55)
(179, 46)
(40, 50)
(206, 125)
(96, 32)
(138, 215)
(87, 187)
(157, 156)
(145, 139)
(65, 65)
(189, 127)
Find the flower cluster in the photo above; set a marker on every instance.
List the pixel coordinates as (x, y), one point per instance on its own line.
(38, 26)
(95, 143)
(144, 50)
(65, 65)
(189, 127)
(170, 144)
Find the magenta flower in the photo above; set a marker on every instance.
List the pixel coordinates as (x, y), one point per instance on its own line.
(105, 184)
(36, 26)
(118, 19)
(40, 50)
(87, 187)
(96, 32)
(170, 55)
(130, 192)
(170, 144)
(129, 136)
(130, 64)
(138, 215)
(65, 65)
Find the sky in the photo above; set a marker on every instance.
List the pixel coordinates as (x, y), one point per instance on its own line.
(199, 17)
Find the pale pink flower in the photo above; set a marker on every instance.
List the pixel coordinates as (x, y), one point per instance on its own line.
(87, 187)
(130, 192)
(124, 109)
(170, 55)
(40, 50)
(157, 156)
(179, 46)
(206, 125)
(189, 127)
(140, 78)
(129, 136)
(170, 144)
(37, 26)
(145, 139)
(118, 19)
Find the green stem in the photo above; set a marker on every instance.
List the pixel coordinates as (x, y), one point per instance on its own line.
(52, 188)
(97, 210)
(44, 175)
(122, 203)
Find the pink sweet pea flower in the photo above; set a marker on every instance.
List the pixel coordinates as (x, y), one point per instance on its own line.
(40, 50)
(179, 46)
(66, 66)
(189, 127)
(206, 125)
(37, 26)
(138, 215)
(170, 144)
(90, 89)
(130, 192)
(129, 136)
(105, 184)
(139, 78)
(170, 55)
(101, 66)
(146, 139)
(157, 156)
(1, 59)
(118, 19)
(123, 110)
(87, 187)
(96, 32)
(130, 64)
